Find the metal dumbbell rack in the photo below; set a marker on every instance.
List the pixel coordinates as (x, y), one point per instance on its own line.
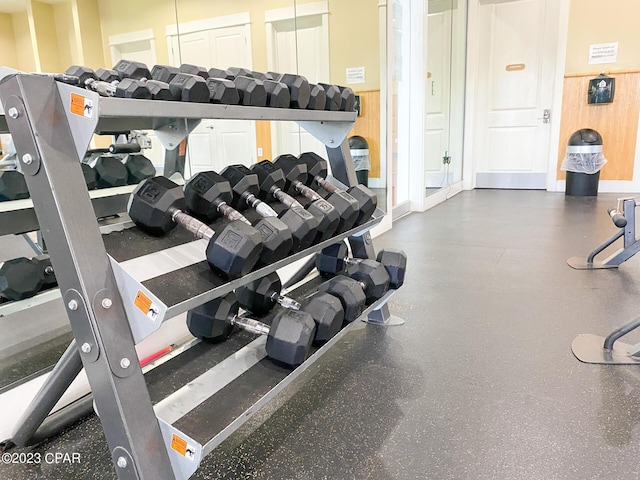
(114, 303)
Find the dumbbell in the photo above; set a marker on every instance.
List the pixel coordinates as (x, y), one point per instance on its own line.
(317, 97)
(127, 88)
(222, 89)
(138, 168)
(278, 94)
(326, 310)
(246, 189)
(183, 86)
(317, 171)
(138, 71)
(346, 205)
(90, 177)
(289, 337)
(261, 295)
(12, 186)
(110, 172)
(295, 175)
(157, 205)
(209, 196)
(350, 293)
(251, 90)
(347, 99)
(299, 89)
(22, 278)
(333, 97)
(335, 260)
(303, 225)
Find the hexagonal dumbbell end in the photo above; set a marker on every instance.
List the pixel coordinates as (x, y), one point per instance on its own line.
(278, 95)
(348, 99)
(12, 186)
(395, 261)
(220, 73)
(89, 176)
(302, 225)
(152, 202)
(107, 75)
(132, 69)
(277, 240)
(211, 321)
(350, 293)
(259, 296)
(204, 191)
(20, 278)
(189, 88)
(223, 91)
(159, 90)
(290, 338)
(317, 97)
(234, 250)
(132, 88)
(252, 91)
(83, 73)
(367, 200)
(330, 260)
(194, 70)
(139, 168)
(164, 73)
(333, 99)
(110, 172)
(298, 89)
(373, 275)
(326, 310)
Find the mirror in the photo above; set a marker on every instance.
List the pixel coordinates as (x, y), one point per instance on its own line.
(446, 31)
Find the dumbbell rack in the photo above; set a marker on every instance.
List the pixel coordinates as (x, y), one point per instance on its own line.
(114, 303)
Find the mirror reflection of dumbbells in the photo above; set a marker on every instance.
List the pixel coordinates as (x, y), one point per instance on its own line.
(158, 205)
(120, 164)
(12, 186)
(209, 196)
(22, 278)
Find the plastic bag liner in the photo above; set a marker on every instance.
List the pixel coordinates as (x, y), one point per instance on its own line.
(583, 162)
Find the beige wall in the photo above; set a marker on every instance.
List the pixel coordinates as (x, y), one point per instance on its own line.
(90, 32)
(22, 35)
(355, 41)
(592, 21)
(67, 49)
(8, 55)
(46, 36)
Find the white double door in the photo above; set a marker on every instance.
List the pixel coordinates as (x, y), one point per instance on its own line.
(216, 143)
(518, 45)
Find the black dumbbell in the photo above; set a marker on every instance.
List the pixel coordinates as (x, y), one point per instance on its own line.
(209, 196)
(326, 310)
(194, 70)
(157, 205)
(317, 170)
(261, 295)
(317, 97)
(349, 292)
(164, 73)
(246, 190)
(289, 337)
(184, 87)
(12, 186)
(90, 177)
(22, 278)
(137, 71)
(278, 95)
(127, 88)
(299, 89)
(295, 175)
(110, 172)
(335, 260)
(223, 91)
(346, 205)
(333, 97)
(302, 224)
(347, 99)
(138, 168)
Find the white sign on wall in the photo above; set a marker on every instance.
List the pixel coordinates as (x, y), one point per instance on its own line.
(603, 53)
(355, 75)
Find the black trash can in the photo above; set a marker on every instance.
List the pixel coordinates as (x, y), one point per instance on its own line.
(359, 149)
(585, 149)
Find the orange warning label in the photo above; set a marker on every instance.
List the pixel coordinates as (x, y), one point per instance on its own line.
(179, 444)
(183, 148)
(142, 302)
(77, 104)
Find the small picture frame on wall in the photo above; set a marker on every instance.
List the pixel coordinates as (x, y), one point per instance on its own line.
(601, 89)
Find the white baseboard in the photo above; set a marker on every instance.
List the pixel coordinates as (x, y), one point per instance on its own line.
(605, 186)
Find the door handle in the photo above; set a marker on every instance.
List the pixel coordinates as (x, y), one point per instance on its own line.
(546, 116)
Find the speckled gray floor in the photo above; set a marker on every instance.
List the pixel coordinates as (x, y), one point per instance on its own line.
(480, 383)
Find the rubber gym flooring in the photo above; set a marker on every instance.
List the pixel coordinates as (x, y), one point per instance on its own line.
(479, 383)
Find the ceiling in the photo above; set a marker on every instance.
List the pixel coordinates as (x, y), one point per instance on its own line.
(13, 6)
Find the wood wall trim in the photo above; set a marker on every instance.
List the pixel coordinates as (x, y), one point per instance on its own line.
(617, 122)
(606, 72)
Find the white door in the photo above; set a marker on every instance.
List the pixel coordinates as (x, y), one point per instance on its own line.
(300, 46)
(216, 143)
(438, 91)
(518, 42)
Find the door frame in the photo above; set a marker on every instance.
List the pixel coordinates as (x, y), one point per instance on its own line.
(472, 98)
(116, 41)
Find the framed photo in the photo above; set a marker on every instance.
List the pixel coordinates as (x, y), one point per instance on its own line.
(601, 90)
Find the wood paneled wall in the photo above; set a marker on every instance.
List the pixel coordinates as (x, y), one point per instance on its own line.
(617, 122)
(368, 126)
(263, 139)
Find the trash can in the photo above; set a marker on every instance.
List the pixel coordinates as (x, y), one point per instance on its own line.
(582, 162)
(359, 149)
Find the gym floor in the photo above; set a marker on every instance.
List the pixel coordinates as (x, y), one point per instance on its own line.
(479, 383)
